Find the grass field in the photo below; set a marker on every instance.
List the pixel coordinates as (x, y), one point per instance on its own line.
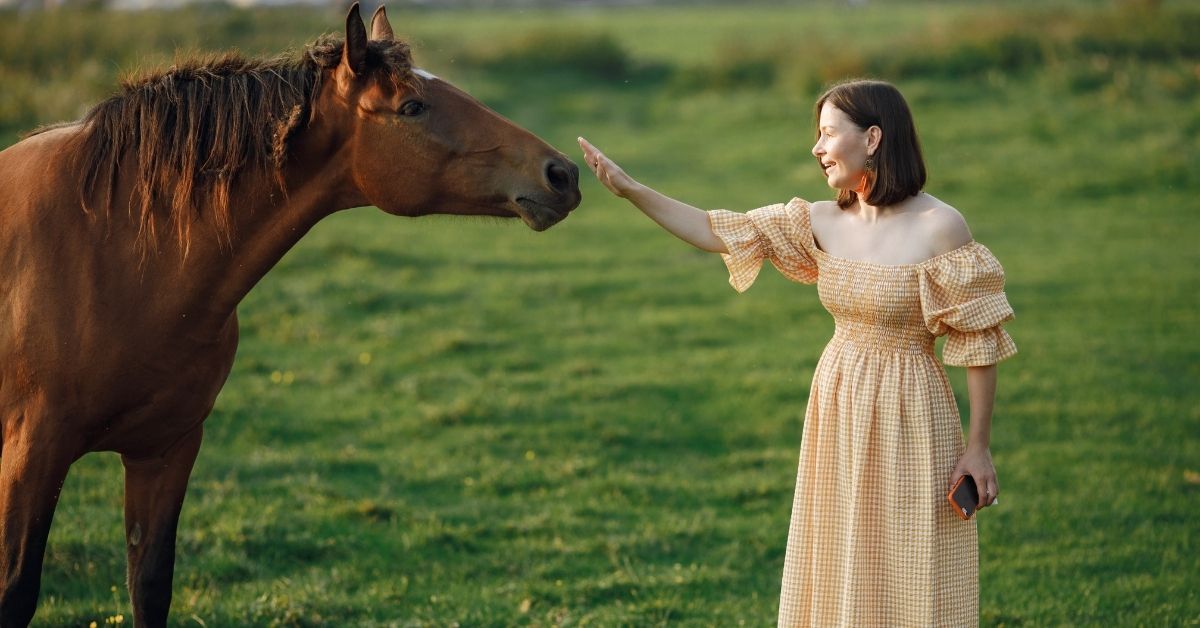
(451, 421)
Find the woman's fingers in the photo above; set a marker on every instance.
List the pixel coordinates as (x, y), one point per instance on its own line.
(981, 486)
(985, 484)
(603, 167)
(594, 158)
(988, 489)
(979, 467)
(959, 471)
(591, 156)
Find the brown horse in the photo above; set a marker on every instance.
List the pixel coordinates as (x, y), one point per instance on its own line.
(129, 237)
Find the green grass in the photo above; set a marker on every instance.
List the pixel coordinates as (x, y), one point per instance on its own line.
(452, 420)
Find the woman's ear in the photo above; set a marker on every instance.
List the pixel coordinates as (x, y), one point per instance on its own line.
(874, 136)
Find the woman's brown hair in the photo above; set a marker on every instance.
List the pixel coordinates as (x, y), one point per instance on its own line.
(899, 170)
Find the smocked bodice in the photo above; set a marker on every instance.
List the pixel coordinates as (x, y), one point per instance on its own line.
(901, 307)
(871, 309)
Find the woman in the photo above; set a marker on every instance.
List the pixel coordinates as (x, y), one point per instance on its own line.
(873, 540)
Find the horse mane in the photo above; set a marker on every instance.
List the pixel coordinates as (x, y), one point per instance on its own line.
(191, 130)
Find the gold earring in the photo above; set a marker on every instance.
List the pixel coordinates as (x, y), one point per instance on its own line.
(870, 163)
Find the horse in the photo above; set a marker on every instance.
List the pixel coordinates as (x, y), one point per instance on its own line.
(125, 257)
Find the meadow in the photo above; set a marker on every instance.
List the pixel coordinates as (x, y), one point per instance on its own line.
(448, 421)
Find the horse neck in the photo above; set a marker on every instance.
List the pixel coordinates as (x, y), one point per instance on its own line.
(267, 222)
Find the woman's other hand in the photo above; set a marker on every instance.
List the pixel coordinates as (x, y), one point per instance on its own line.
(608, 172)
(977, 463)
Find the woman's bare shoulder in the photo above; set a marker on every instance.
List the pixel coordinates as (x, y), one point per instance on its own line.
(821, 214)
(823, 209)
(944, 226)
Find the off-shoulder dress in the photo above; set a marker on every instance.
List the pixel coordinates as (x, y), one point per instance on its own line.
(873, 541)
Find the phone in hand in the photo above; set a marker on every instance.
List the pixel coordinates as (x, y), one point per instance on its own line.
(964, 497)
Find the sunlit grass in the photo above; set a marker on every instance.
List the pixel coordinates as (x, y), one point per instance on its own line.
(450, 420)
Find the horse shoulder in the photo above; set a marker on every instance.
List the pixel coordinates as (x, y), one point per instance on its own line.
(36, 169)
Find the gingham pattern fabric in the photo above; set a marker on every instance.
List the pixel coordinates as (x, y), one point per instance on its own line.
(873, 541)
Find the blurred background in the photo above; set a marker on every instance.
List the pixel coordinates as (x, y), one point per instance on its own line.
(459, 422)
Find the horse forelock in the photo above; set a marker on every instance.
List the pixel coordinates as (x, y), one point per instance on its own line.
(192, 129)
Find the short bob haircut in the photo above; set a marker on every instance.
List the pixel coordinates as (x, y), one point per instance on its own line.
(899, 167)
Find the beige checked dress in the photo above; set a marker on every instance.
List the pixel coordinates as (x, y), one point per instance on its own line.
(873, 541)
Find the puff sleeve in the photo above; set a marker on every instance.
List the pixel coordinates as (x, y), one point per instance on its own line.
(962, 295)
(780, 233)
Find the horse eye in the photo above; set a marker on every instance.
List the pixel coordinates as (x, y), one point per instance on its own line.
(412, 108)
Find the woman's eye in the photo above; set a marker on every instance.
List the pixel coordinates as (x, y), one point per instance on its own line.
(412, 108)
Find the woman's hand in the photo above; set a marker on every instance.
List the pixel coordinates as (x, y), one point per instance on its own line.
(977, 463)
(608, 172)
(685, 222)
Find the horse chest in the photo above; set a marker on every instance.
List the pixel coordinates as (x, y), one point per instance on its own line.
(154, 406)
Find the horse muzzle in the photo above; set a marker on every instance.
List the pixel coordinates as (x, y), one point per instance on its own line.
(540, 216)
(559, 194)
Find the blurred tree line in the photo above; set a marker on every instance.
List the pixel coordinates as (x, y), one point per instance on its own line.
(54, 64)
(370, 5)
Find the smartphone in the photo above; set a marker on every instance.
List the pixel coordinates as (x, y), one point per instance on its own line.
(964, 497)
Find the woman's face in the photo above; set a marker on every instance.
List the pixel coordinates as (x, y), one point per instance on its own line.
(841, 148)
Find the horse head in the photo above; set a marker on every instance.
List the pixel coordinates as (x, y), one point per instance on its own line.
(415, 145)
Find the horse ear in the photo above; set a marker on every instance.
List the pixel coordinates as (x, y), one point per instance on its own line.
(381, 29)
(354, 53)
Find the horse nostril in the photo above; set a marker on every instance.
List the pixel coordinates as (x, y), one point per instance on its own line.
(561, 175)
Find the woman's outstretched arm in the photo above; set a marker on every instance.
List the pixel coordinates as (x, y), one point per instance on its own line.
(687, 223)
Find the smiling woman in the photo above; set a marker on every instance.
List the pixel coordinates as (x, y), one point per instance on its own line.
(129, 255)
(873, 540)
(893, 170)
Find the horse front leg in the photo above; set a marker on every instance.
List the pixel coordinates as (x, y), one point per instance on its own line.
(154, 491)
(32, 472)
